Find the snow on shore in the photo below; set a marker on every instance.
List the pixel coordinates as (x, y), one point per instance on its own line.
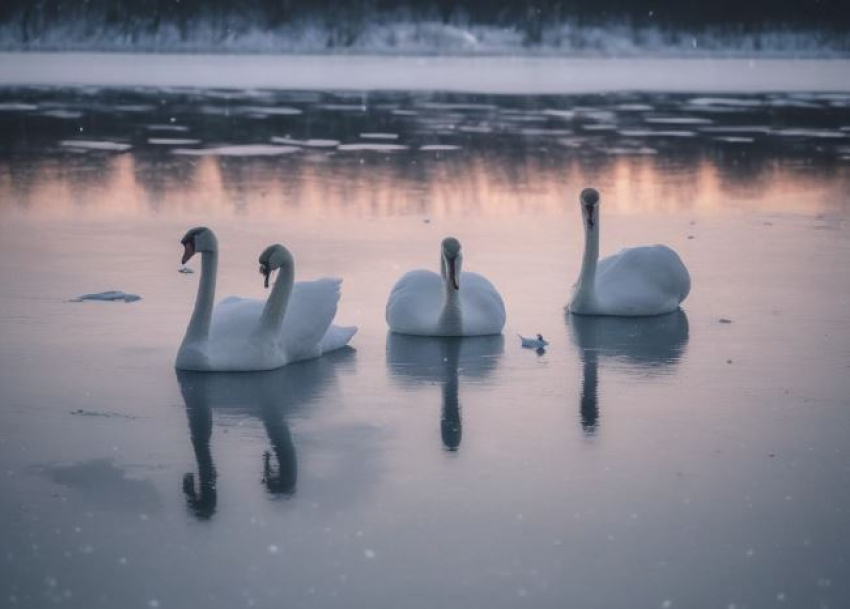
(526, 75)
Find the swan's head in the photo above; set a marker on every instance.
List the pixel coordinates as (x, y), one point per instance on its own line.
(452, 259)
(199, 239)
(274, 257)
(589, 206)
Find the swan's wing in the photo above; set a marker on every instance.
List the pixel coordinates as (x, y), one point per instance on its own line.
(309, 313)
(642, 280)
(337, 337)
(483, 307)
(234, 318)
(415, 303)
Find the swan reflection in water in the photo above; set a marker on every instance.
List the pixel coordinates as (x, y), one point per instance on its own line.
(646, 345)
(417, 360)
(271, 396)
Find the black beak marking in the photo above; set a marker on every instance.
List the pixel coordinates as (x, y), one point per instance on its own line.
(590, 213)
(265, 271)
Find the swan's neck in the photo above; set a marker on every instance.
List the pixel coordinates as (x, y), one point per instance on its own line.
(450, 318)
(275, 309)
(450, 323)
(199, 325)
(585, 291)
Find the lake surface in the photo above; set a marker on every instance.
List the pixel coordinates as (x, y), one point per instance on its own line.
(698, 459)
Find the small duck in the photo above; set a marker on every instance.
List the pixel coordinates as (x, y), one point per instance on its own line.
(533, 343)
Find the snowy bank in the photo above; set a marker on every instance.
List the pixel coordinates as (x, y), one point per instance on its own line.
(526, 75)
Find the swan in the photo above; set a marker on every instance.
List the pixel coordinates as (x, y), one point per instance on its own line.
(242, 334)
(452, 303)
(636, 281)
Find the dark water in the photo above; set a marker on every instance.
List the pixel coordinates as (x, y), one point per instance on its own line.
(680, 461)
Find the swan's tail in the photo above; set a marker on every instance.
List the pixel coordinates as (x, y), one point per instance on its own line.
(337, 337)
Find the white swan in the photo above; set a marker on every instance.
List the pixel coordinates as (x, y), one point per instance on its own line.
(243, 334)
(636, 281)
(449, 304)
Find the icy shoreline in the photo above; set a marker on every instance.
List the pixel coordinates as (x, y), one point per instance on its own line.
(495, 75)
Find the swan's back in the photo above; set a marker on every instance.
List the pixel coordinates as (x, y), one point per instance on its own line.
(309, 314)
(648, 280)
(306, 331)
(482, 306)
(415, 303)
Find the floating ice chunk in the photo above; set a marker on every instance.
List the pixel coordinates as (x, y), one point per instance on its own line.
(64, 114)
(564, 114)
(645, 133)
(734, 139)
(135, 108)
(343, 107)
(172, 141)
(679, 120)
(321, 143)
(619, 150)
(266, 110)
(791, 103)
(111, 295)
(400, 112)
(817, 133)
(634, 107)
(736, 129)
(535, 131)
(372, 147)
(735, 102)
(475, 129)
(599, 127)
(311, 143)
(438, 147)
(379, 136)
(174, 128)
(17, 107)
(457, 106)
(96, 145)
(244, 150)
(286, 141)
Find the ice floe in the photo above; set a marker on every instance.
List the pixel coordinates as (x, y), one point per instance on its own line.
(647, 133)
(678, 120)
(379, 136)
(63, 114)
(269, 110)
(109, 296)
(104, 145)
(17, 107)
(173, 128)
(372, 147)
(245, 150)
(819, 133)
(172, 141)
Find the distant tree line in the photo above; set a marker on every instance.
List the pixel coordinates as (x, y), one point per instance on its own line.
(28, 18)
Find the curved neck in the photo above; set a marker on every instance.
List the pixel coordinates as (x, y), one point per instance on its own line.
(199, 325)
(450, 322)
(275, 309)
(585, 287)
